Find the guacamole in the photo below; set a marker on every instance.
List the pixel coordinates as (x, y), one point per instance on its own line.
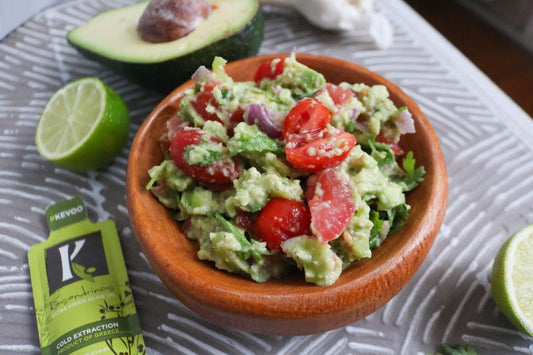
(287, 172)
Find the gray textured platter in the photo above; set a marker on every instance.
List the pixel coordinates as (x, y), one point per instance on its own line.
(486, 139)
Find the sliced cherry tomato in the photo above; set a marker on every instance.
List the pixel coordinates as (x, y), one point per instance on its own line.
(282, 219)
(266, 70)
(320, 150)
(339, 95)
(395, 147)
(218, 175)
(331, 205)
(308, 115)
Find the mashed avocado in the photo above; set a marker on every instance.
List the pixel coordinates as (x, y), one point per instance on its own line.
(305, 194)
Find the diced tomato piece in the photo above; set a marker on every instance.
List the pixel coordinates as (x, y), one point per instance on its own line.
(236, 117)
(218, 175)
(319, 150)
(308, 115)
(395, 147)
(339, 95)
(282, 219)
(331, 203)
(266, 70)
(205, 98)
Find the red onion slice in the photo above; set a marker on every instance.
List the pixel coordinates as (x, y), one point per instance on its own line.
(174, 125)
(355, 114)
(202, 74)
(259, 114)
(404, 121)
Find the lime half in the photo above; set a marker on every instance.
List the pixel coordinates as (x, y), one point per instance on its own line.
(512, 279)
(84, 126)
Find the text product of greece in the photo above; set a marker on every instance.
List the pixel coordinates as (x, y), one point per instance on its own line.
(82, 294)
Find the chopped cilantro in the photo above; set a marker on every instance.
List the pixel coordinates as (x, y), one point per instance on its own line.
(204, 154)
(446, 349)
(239, 235)
(226, 95)
(397, 217)
(414, 176)
(375, 233)
(381, 152)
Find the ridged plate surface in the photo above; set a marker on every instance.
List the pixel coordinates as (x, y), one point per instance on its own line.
(486, 139)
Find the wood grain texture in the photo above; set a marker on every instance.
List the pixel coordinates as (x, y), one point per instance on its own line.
(289, 305)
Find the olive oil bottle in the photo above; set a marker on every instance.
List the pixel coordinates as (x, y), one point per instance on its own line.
(82, 295)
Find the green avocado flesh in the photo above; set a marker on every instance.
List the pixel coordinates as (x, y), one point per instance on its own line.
(233, 30)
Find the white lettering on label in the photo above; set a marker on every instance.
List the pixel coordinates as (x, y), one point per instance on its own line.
(67, 213)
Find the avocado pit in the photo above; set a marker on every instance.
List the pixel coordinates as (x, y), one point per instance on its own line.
(168, 20)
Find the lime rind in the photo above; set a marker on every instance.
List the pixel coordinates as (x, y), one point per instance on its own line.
(84, 126)
(512, 279)
(66, 102)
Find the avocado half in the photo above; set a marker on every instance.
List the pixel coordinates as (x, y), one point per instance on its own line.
(233, 30)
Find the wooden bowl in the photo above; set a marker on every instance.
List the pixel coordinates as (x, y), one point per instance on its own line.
(289, 305)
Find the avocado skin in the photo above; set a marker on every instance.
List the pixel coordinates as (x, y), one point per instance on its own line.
(163, 77)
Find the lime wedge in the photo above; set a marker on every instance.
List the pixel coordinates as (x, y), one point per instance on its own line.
(512, 279)
(84, 126)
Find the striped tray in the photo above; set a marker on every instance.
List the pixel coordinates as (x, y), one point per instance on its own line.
(486, 139)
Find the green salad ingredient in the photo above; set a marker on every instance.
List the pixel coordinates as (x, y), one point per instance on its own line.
(84, 126)
(286, 172)
(512, 277)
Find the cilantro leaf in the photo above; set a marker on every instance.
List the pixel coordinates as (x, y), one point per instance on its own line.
(226, 95)
(381, 152)
(397, 217)
(202, 154)
(414, 176)
(446, 349)
(375, 232)
(239, 235)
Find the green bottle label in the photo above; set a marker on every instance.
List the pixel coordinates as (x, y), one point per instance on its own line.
(65, 212)
(83, 299)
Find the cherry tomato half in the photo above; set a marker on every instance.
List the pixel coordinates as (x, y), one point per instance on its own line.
(331, 206)
(339, 95)
(218, 175)
(266, 70)
(308, 115)
(320, 150)
(282, 219)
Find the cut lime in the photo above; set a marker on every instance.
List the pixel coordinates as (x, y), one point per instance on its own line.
(512, 279)
(84, 126)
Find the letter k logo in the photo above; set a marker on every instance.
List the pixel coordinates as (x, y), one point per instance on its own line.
(66, 258)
